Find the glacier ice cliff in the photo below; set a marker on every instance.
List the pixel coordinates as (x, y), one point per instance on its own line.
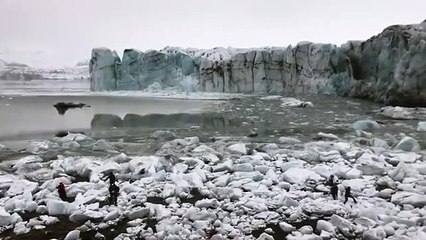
(389, 67)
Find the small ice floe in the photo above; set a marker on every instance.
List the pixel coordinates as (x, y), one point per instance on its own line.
(327, 136)
(293, 102)
(365, 125)
(3, 147)
(289, 140)
(103, 145)
(403, 113)
(39, 147)
(271, 97)
(400, 113)
(421, 127)
(163, 135)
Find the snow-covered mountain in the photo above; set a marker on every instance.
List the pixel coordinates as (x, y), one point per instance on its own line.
(18, 71)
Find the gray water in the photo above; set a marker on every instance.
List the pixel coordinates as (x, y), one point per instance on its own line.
(28, 117)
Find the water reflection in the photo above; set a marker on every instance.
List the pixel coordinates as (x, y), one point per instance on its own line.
(106, 121)
(210, 121)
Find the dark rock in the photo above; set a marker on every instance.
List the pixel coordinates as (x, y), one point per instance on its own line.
(62, 107)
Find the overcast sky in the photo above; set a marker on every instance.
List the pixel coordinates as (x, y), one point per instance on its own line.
(63, 32)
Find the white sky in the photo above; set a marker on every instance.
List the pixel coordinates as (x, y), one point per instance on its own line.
(62, 32)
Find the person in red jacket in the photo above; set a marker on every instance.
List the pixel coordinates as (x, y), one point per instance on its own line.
(62, 192)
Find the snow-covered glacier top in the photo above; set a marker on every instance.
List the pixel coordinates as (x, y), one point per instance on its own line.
(215, 54)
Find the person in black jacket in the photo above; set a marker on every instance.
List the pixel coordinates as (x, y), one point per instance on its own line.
(330, 181)
(111, 178)
(113, 194)
(334, 190)
(348, 195)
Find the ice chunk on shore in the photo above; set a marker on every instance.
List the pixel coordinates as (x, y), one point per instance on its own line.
(377, 142)
(138, 212)
(6, 180)
(300, 175)
(21, 186)
(321, 207)
(286, 227)
(102, 145)
(84, 215)
(76, 137)
(371, 165)
(407, 157)
(34, 161)
(73, 235)
(71, 145)
(207, 203)
(344, 226)
(414, 199)
(225, 166)
(243, 167)
(194, 214)
(238, 148)
(265, 236)
(21, 228)
(408, 144)
(57, 207)
(37, 147)
(401, 171)
(5, 218)
(109, 166)
(323, 225)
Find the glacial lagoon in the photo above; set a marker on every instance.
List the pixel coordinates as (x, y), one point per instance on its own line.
(227, 157)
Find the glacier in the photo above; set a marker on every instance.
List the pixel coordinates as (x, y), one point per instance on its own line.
(389, 68)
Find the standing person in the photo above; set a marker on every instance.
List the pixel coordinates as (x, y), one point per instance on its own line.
(113, 194)
(111, 178)
(331, 181)
(334, 190)
(348, 195)
(62, 192)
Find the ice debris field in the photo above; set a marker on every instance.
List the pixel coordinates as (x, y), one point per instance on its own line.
(220, 189)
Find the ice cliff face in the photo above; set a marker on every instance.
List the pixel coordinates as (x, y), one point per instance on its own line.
(17, 71)
(389, 67)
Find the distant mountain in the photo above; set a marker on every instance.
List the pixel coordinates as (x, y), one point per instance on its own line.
(18, 71)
